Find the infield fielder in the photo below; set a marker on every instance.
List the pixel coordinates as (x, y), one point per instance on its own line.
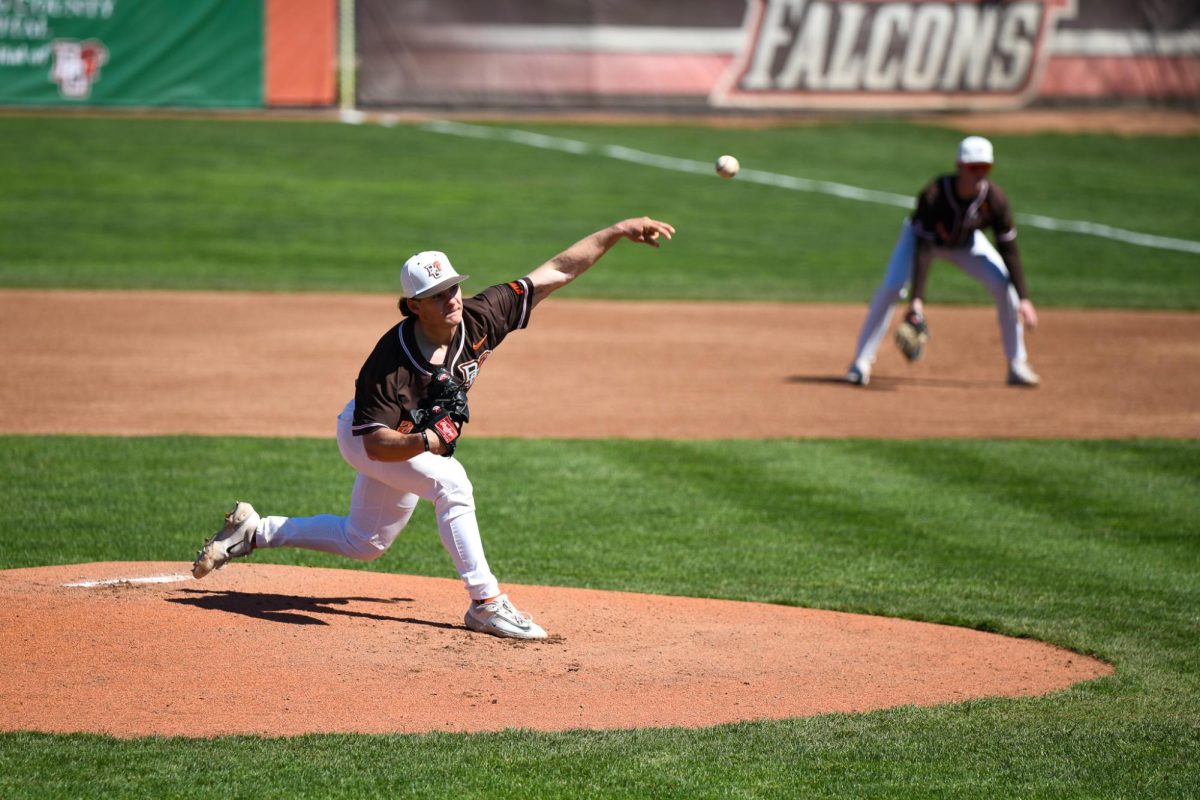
(948, 223)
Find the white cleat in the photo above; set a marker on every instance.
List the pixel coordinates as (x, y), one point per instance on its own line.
(1020, 374)
(235, 540)
(858, 375)
(500, 617)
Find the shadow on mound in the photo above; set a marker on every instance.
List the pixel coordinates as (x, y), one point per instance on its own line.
(292, 609)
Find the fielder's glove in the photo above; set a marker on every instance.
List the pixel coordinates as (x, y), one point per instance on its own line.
(443, 410)
(912, 335)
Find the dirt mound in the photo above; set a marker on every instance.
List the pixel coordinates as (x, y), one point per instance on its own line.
(135, 649)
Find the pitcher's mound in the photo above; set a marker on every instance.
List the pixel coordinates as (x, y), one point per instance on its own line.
(138, 649)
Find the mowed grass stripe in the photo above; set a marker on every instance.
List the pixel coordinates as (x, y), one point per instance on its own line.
(1092, 545)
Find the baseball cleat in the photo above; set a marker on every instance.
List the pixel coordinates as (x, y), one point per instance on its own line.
(1020, 374)
(235, 540)
(858, 375)
(500, 617)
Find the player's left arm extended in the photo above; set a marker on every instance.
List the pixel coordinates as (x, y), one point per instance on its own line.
(922, 260)
(1006, 245)
(913, 332)
(579, 257)
(1007, 248)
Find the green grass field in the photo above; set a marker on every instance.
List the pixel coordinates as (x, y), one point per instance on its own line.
(190, 204)
(1090, 545)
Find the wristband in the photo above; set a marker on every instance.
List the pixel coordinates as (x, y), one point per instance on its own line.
(425, 441)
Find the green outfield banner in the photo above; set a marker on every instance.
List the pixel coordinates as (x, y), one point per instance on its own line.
(131, 52)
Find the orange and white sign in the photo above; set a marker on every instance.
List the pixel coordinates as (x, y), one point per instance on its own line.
(902, 55)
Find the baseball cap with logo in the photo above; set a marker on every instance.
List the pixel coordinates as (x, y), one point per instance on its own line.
(975, 150)
(428, 273)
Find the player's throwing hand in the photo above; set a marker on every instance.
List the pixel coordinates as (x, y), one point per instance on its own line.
(645, 230)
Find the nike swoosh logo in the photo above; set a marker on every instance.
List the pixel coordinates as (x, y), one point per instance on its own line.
(479, 344)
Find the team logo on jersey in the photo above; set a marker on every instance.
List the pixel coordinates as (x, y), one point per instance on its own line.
(470, 370)
(77, 66)
(405, 426)
(915, 54)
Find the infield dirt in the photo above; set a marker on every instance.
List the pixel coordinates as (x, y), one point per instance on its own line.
(284, 365)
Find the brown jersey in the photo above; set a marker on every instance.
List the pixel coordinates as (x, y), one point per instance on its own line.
(944, 219)
(948, 220)
(394, 377)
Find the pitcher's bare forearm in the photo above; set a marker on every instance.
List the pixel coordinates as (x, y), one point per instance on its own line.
(581, 256)
(385, 444)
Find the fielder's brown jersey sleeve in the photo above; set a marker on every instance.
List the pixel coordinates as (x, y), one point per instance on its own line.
(928, 225)
(396, 374)
(1005, 231)
(925, 217)
(922, 259)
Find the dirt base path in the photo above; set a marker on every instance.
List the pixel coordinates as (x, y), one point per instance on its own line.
(262, 649)
(132, 363)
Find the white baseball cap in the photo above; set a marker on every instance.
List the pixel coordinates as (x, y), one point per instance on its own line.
(975, 150)
(428, 273)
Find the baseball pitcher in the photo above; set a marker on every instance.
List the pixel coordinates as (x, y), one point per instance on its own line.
(409, 411)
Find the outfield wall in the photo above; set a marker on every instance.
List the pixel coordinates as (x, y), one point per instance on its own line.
(630, 54)
(777, 54)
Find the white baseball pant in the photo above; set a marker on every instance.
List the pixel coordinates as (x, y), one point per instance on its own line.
(384, 497)
(980, 261)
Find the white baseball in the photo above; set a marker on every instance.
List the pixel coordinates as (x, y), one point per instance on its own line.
(727, 166)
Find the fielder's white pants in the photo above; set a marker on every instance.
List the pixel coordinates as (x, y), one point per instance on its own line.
(384, 497)
(980, 261)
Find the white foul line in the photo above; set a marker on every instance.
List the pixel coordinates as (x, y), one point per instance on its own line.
(789, 182)
(115, 581)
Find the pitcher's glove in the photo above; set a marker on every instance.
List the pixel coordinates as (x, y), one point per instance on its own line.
(448, 393)
(438, 420)
(443, 410)
(912, 335)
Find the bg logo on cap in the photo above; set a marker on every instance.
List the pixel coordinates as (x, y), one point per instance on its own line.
(428, 273)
